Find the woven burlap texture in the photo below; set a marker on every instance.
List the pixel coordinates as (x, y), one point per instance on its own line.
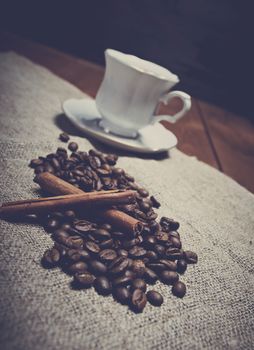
(38, 308)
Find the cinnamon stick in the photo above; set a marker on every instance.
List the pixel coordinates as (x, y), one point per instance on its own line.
(49, 204)
(54, 185)
(117, 218)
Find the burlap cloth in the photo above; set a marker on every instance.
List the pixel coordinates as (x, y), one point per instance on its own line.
(40, 311)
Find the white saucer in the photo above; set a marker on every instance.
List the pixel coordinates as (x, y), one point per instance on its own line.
(85, 116)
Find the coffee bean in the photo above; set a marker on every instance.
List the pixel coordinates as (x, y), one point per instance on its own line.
(55, 163)
(94, 162)
(154, 226)
(174, 234)
(138, 283)
(97, 267)
(64, 137)
(151, 215)
(176, 243)
(127, 244)
(156, 266)
(130, 274)
(103, 172)
(129, 177)
(139, 239)
(169, 224)
(75, 242)
(106, 227)
(107, 183)
(138, 214)
(69, 215)
(39, 169)
(90, 237)
(35, 162)
(57, 215)
(84, 279)
(122, 294)
(102, 285)
(161, 237)
(143, 192)
(154, 298)
(77, 173)
(118, 265)
(76, 255)
(78, 267)
(61, 248)
(117, 172)
(107, 255)
(145, 206)
(138, 300)
(169, 265)
(73, 232)
(151, 255)
(150, 276)
(61, 151)
(52, 224)
(106, 244)
(149, 242)
(51, 257)
(111, 159)
(181, 266)
(60, 236)
(101, 234)
(73, 255)
(92, 247)
(118, 235)
(137, 252)
(138, 267)
(174, 253)
(73, 146)
(122, 281)
(190, 257)
(66, 227)
(48, 168)
(83, 226)
(130, 263)
(86, 183)
(169, 277)
(95, 152)
(128, 208)
(179, 289)
(159, 249)
(50, 156)
(155, 203)
(122, 252)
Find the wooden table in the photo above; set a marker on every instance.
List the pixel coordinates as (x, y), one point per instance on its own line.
(220, 138)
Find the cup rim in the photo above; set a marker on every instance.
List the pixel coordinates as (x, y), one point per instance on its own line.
(113, 53)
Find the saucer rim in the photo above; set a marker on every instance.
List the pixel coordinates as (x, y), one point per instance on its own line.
(106, 138)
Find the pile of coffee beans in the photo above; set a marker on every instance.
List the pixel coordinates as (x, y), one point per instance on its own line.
(98, 255)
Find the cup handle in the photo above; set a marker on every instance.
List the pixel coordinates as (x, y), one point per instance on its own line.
(186, 99)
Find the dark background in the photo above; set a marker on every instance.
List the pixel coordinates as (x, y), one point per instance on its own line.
(208, 43)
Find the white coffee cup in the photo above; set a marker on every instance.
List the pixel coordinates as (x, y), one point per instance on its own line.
(131, 91)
